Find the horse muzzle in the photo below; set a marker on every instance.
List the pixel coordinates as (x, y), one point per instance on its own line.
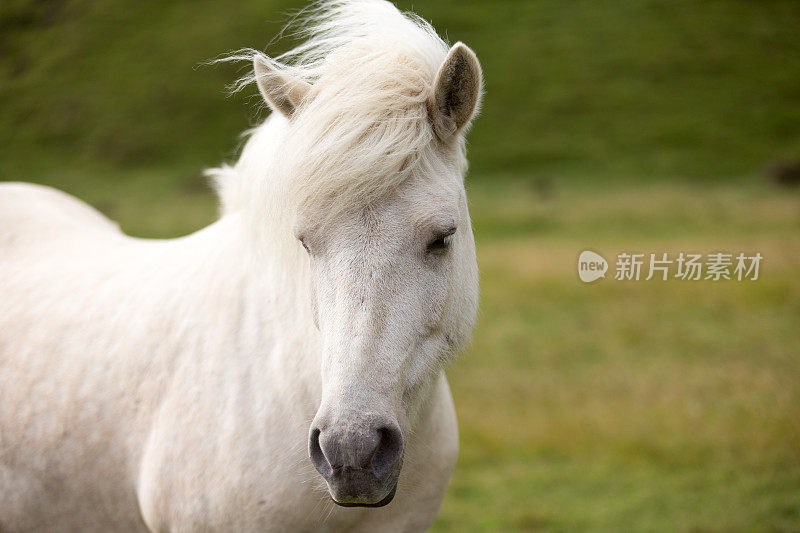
(360, 460)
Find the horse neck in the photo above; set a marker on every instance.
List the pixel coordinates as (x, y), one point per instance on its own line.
(227, 279)
(260, 270)
(269, 286)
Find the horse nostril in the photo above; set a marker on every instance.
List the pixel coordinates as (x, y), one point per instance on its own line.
(389, 450)
(317, 456)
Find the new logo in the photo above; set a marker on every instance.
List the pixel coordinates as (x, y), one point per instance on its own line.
(591, 266)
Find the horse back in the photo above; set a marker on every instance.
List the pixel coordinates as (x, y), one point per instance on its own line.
(32, 214)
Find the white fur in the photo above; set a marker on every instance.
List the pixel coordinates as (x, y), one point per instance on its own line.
(170, 385)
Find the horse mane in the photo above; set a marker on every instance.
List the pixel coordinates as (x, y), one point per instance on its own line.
(363, 129)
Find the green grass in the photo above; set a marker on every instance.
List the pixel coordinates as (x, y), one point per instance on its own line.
(644, 406)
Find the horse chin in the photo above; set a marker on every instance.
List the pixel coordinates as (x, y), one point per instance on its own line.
(389, 497)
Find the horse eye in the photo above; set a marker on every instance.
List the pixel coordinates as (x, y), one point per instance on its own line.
(442, 241)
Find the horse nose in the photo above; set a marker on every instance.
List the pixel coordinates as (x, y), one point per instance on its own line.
(359, 459)
(373, 447)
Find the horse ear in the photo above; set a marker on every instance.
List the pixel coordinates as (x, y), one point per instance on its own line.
(456, 92)
(282, 91)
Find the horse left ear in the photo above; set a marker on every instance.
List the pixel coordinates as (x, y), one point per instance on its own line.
(456, 92)
(282, 91)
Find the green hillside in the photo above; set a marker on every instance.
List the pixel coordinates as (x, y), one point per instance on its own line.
(639, 89)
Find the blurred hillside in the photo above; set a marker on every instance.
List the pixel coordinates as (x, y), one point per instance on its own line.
(631, 89)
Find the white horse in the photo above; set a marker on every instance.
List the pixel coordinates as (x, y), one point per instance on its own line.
(181, 385)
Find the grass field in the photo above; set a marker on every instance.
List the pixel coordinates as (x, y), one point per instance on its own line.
(635, 406)
(620, 126)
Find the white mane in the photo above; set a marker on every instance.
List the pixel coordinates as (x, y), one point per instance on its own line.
(363, 128)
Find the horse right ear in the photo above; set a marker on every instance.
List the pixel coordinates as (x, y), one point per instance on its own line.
(282, 91)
